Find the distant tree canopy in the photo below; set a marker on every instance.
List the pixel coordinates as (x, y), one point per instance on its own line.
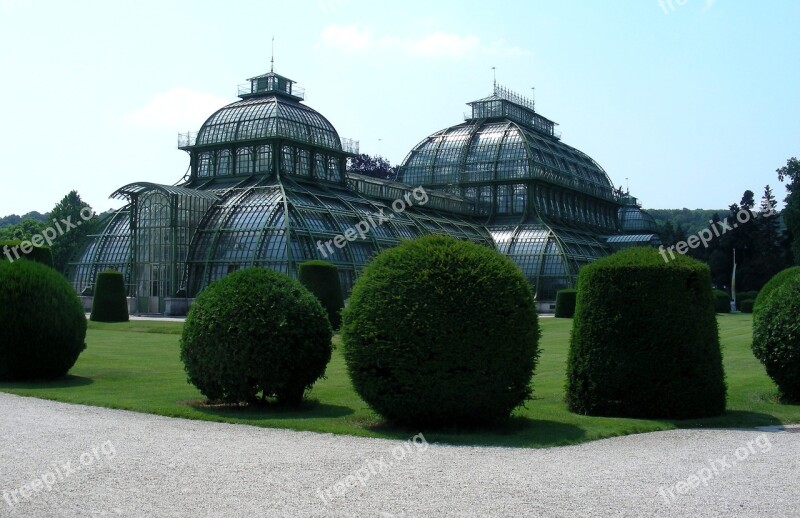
(68, 234)
(790, 174)
(690, 220)
(376, 167)
(13, 219)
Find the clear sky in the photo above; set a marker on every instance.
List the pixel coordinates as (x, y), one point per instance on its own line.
(691, 101)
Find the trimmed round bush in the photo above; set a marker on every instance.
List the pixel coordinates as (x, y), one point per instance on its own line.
(441, 332)
(39, 254)
(256, 331)
(110, 302)
(565, 303)
(745, 295)
(722, 301)
(776, 337)
(644, 340)
(44, 327)
(746, 306)
(322, 279)
(774, 283)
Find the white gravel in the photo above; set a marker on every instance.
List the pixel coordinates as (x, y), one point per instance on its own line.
(144, 465)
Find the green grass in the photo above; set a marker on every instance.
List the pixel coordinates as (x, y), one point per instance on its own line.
(136, 366)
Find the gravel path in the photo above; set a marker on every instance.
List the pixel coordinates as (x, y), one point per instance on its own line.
(100, 462)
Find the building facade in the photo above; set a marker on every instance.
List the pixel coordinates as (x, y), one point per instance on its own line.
(267, 186)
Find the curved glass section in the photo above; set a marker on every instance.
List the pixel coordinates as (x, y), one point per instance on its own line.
(484, 151)
(109, 250)
(550, 257)
(267, 117)
(633, 220)
(281, 224)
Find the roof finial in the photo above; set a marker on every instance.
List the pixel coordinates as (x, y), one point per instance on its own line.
(272, 61)
(494, 82)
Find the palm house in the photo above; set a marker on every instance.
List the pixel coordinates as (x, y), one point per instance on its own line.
(552, 208)
(267, 186)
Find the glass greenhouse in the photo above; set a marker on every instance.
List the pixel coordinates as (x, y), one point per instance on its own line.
(267, 186)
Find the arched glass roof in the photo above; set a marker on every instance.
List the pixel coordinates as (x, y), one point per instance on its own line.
(266, 117)
(491, 150)
(633, 220)
(279, 224)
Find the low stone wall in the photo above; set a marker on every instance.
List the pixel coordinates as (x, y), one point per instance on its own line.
(177, 307)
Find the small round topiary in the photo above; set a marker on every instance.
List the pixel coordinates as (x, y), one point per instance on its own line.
(44, 327)
(322, 279)
(12, 250)
(774, 283)
(722, 301)
(746, 306)
(110, 303)
(776, 337)
(441, 332)
(256, 331)
(644, 339)
(565, 303)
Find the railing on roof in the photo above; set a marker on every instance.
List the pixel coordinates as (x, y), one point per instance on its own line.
(247, 89)
(350, 146)
(187, 139)
(509, 95)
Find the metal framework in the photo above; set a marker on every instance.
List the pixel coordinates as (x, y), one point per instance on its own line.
(267, 186)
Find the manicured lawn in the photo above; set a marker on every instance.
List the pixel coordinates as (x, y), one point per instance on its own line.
(136, 366)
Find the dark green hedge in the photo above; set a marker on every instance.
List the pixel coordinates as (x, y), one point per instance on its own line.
(110, 303)
(722, 301)
(644, 340)
(44, 328)
(322, 279)
(774, 283)
(746, 306)
(776, 328)
(39, 254)
(565, 303)
(441, 332)
(256, 331)
(745, 295)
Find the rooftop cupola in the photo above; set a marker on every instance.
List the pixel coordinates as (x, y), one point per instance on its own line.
(271, 84)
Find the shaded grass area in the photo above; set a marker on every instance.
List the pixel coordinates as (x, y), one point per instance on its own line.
(136, 366)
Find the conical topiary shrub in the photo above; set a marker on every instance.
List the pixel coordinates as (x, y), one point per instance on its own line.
(322, 279)
(110, 303)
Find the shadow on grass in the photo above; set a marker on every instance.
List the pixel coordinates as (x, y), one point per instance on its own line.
(67, 381)
(308, 409)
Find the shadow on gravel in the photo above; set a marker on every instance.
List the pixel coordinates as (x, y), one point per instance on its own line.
(65, 382)
(731, 419)
(516, 431)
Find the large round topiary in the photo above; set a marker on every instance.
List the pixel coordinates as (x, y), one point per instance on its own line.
(322, 279)
(441, 332)
(776, 337)
(13, 250)
(722, 301)
(565, 303)
(44, 327)
(644, 340)
(774, 283)
(256, 331)
(110, 302)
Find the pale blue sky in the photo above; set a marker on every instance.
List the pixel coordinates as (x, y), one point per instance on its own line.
(692, 103)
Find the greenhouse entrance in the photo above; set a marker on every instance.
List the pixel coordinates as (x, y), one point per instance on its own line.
(163, 220)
